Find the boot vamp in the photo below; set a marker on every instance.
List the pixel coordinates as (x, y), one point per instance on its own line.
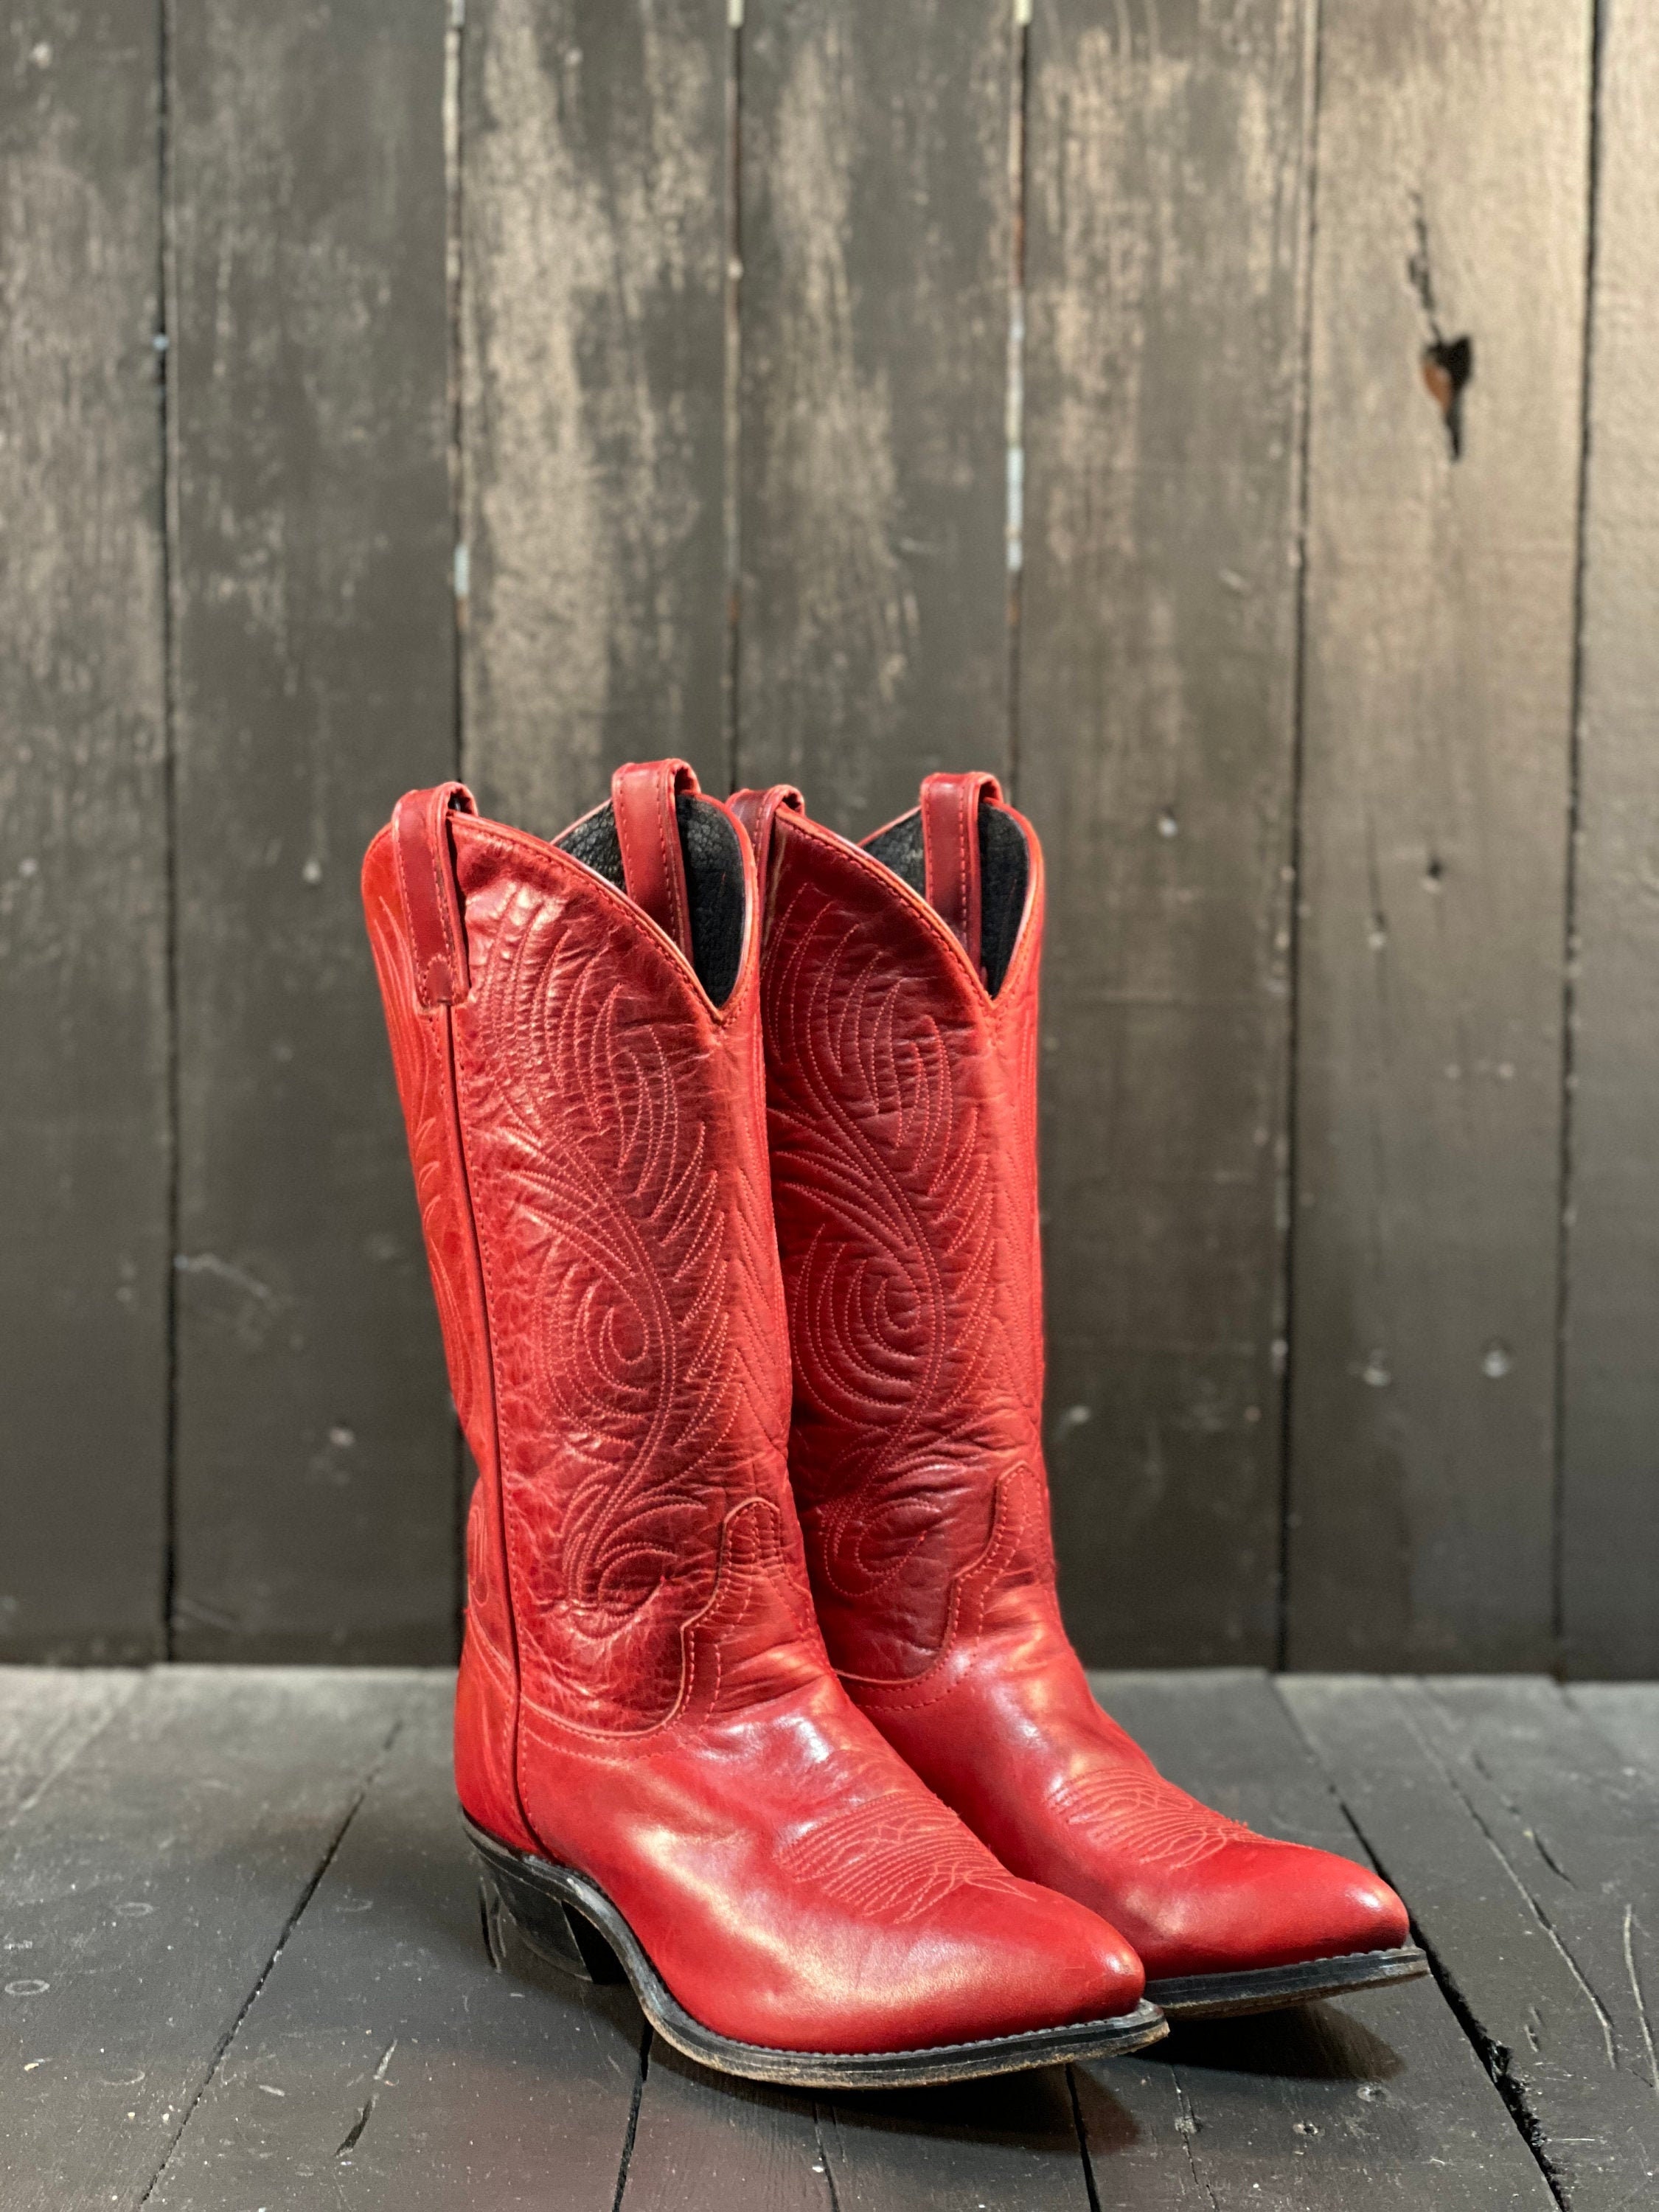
(797, 1886)
(1010, 1736)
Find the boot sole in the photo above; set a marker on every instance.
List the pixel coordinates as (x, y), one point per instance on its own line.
(1268, 1988)
(567, 1921)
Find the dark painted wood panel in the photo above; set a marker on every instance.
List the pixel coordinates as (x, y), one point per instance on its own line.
(317, 1467)
(385, 2062)
(873, 639)
(1378, 2101)
(594, 224)
(83, 923)
(1526, 1846)
(1610, 1411)
(1442, 540)
(144, 1894)
(1166, 214)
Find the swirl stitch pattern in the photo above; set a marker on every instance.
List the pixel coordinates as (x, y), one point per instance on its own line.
(895, 1147)
(639, 1414)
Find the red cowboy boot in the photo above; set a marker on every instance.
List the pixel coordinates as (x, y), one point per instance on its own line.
(900, 993)
(650, 1746)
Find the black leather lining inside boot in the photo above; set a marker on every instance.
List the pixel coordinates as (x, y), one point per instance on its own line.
(713, 881)
(1004, 868)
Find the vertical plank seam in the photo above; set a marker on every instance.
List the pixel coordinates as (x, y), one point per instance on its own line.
(1313, 41)
(633, 2128)
(825, 2162)
(1494, 2057)
(454, 63)
(1018, 130)
(167, 432)
(1090, 2187)
(731, 461)
(1570, 901)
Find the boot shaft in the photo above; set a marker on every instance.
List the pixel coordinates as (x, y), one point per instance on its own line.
(899, 988)
(582, 1087)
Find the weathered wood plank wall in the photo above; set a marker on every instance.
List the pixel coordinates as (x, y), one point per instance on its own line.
(872, 632)
(1436, 749)
(1609, 1503)
(84, 1107)
(1166, 222)
(593, 152)
(1224, 419)
(316, 1478)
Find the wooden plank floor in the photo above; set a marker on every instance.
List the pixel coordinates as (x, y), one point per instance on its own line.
(243, 1968)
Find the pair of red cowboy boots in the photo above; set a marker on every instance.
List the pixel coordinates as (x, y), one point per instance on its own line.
(769, 1702)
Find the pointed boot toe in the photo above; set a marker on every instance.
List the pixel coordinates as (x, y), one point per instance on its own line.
(1274, 1923)
(1051, 1959)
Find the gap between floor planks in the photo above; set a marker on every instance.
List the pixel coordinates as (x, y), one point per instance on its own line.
(307, 2003)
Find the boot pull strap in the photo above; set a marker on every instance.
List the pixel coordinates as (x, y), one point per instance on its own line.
(642, 795)
(950, 845)
(431, 898)
(757, 810)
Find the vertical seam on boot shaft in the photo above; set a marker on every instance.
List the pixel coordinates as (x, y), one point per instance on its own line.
(482, 1273)
(571, 876)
